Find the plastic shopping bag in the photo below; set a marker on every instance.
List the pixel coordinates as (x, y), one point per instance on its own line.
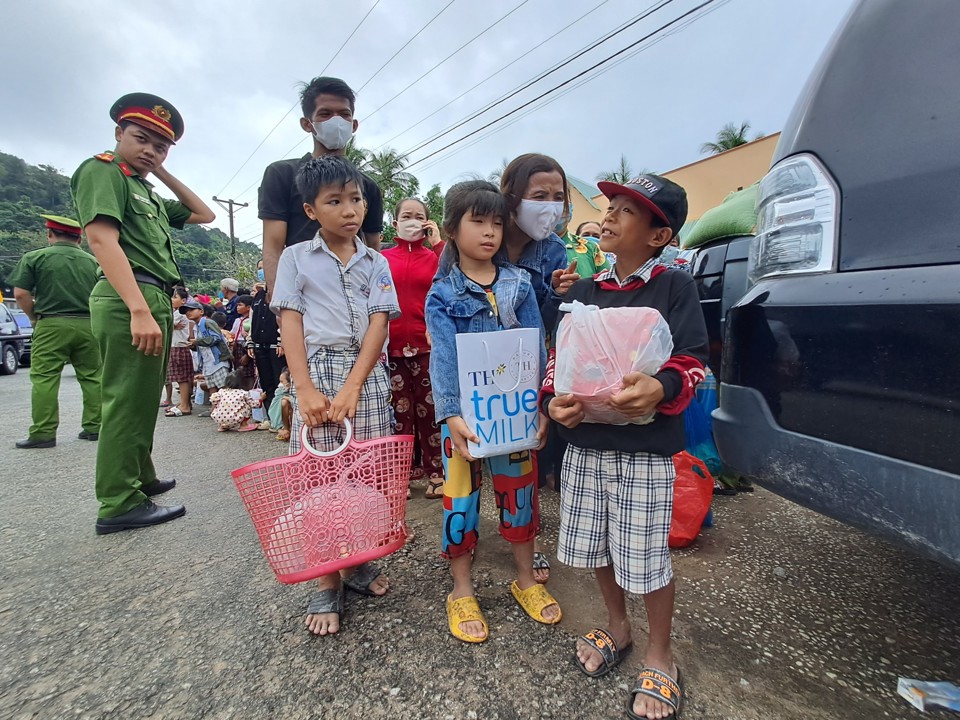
(699, 430)
(257, 413)
(499, 384)
(692, 493)
(597, 347)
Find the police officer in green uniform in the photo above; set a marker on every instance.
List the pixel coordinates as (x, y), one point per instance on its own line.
(128, 228)
(52, 286)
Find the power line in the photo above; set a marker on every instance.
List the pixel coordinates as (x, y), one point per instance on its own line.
(489, 77)
(293, 107)
(489, 27)
(405, 45)
(580, 53)
(565, 83)
(582, 82)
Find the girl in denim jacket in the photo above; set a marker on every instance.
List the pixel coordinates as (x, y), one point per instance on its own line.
(482, 292)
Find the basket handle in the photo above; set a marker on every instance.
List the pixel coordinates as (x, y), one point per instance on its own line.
(305, 440)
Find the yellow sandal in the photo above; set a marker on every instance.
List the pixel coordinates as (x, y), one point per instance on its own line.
(533, 600)
(465, 609)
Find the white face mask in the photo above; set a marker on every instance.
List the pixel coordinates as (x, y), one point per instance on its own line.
(409, 229)
(537, 218)
(333, 134)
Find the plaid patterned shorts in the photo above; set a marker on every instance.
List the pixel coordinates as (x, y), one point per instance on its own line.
(615, 509)
(329, 369)
(217, 379)
(180, 365)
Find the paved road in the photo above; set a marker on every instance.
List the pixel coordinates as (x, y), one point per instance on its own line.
(782, 614)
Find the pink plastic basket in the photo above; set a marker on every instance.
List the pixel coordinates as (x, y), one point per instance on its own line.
(319, 512)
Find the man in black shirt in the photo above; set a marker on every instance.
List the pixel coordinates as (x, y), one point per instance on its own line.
(263, 343)
(328, 105)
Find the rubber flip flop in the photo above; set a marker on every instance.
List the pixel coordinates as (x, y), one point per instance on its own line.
(661, 687)
(465, 609)
(534, 600)
(603, 642)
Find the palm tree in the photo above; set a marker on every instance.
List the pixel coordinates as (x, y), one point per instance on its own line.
(356, 154)
(729, 137)
(622, 175)
(388, 169)
(495, 176)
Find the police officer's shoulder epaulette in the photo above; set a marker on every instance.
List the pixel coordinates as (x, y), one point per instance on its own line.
(109, 157)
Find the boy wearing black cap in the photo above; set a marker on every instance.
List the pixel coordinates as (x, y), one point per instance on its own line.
(128, 227)
(618, 479)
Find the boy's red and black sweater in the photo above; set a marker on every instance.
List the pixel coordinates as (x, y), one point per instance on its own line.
(674, 294)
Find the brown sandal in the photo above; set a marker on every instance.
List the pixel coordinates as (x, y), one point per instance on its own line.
(434, 489)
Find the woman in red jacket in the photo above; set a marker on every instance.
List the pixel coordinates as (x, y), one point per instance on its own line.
(413, 263)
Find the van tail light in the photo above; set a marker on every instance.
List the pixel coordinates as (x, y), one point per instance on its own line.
(798, 207)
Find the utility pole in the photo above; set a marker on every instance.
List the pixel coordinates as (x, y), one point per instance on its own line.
(228, 205)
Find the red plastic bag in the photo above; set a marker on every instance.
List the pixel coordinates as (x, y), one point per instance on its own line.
(692, 493)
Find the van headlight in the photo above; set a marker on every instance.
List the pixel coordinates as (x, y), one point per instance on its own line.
(797, 211)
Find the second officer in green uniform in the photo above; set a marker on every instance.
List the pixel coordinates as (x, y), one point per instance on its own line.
(128, 228)
(52, 286)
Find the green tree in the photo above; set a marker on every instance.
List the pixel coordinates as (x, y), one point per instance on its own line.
(621, 175)
(356, 154)
(729, 137)
(434, 200)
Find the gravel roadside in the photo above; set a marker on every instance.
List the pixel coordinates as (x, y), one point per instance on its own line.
(781, 613)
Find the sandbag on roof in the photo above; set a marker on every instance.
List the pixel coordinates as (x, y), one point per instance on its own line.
(736, 215)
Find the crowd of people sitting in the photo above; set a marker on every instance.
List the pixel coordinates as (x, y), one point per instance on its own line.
(215, 366)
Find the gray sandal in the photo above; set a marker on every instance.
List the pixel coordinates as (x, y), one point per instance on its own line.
(361, 578)
(326, 601)
(541, 562)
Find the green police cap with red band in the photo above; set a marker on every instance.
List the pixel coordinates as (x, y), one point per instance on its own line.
(61, 224)
(151, 112)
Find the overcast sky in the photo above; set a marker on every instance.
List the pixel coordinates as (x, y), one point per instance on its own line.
(232, 68)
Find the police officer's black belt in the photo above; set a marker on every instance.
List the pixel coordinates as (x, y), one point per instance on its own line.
(149, 280)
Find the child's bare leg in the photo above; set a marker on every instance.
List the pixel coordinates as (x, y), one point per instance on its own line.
(186, 392)
(659, 605)
(325, 623)
(460, 568)
(523, 558)
(168, 387)
(618, 624)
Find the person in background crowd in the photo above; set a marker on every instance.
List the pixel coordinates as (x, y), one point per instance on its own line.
(232, 406)
(229, 290)
(334, 329)
(52, 286)
(328, 106)
(180, 364)
(263, 344)
(210, 344)
(481, 292)
(413, 264)
(589, 229)
(243, 364)
(281, 409)
(580, 250)
(128, 228)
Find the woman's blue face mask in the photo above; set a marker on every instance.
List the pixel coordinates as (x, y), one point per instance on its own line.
(260, 275)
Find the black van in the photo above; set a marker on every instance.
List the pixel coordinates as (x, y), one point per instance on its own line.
(840, 381)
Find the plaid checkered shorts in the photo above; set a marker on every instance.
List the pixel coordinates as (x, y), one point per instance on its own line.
(180, 365)
(329, 369)
(218, 378)
(615, 509)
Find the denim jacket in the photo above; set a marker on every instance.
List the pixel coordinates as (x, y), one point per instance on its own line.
(539, 258)
(456, 304)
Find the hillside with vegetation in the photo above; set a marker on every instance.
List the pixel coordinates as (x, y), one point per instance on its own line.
(26, 191)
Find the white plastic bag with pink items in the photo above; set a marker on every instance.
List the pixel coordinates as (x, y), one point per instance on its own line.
(597, 347)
